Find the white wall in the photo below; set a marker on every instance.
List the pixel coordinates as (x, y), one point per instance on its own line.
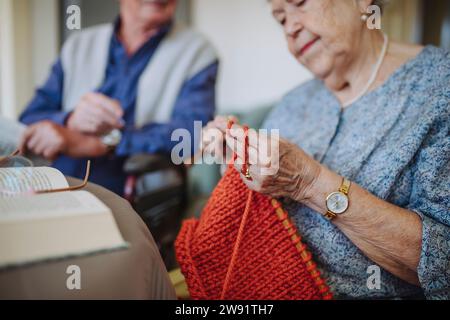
(28, 42)
(256, 66)
(45, 37)
(15, 57)
(7, 78)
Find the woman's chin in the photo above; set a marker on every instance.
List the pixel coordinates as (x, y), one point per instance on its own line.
(318, 68)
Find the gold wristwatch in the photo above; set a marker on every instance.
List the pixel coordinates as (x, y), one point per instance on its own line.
(338, 202)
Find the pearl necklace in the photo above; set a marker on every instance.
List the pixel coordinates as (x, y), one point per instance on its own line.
(374, 75)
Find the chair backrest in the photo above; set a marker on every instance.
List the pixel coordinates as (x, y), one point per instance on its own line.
(445, 33)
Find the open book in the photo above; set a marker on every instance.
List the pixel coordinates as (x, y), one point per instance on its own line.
(42, 227)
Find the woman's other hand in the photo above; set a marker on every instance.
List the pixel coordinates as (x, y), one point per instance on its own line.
(213, 139)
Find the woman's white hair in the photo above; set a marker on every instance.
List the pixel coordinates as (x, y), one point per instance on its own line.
(380, 3)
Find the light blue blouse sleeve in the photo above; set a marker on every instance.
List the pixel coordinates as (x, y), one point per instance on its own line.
(431, 201)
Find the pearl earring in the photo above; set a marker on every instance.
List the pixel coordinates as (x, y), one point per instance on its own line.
(364, 17)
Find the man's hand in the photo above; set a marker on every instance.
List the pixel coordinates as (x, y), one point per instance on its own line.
(44, 139)
(96, 114)
(49, 140)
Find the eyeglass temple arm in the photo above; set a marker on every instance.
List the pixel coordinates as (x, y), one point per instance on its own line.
(81, 186)
(74, 188)
(15, 153)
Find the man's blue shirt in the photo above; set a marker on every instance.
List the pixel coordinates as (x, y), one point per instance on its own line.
(195, 102)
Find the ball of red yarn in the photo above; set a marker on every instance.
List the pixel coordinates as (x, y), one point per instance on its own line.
(244, 247)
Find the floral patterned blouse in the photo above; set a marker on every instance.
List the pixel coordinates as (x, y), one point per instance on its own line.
(393, 142)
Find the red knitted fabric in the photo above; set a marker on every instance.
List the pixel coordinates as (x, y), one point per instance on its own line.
(245, 247)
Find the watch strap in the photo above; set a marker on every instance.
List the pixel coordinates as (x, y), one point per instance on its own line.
(330, 215)
(345, 187)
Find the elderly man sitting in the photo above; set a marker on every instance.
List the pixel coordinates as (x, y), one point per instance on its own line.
(121, 89)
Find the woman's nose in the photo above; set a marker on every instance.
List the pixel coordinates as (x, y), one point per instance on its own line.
(293, 29)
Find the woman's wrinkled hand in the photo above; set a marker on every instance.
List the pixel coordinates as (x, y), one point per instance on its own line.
(277, 167)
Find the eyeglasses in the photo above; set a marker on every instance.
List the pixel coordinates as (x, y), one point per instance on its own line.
(14, 160)
(14, 157)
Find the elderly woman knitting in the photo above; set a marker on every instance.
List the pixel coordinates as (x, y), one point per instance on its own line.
(364, 166)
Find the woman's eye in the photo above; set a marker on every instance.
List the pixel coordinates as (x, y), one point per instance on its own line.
(281, 19)
(300, 3)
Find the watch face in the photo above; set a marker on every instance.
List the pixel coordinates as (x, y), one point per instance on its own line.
(337, 202)
(113, 138)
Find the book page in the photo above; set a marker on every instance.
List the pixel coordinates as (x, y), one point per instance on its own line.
(52, 205)
(24, 180)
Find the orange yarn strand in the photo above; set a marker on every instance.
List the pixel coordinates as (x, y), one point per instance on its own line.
(243, 221)
(236, 246)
